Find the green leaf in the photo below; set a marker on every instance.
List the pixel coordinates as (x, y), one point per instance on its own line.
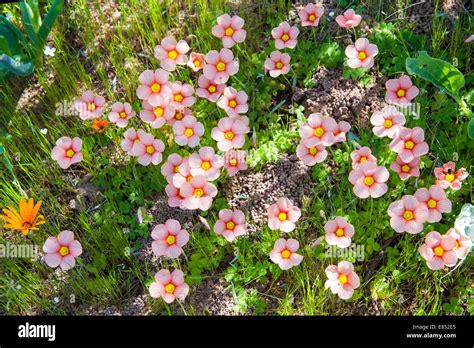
(470, 128)
(28, 16)
(439, 72)
(16, 66)
(49, 19)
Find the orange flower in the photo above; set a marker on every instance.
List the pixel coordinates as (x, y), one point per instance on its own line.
(25, 220)
(100, 125)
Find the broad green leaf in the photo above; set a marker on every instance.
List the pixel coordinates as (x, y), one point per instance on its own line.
(439, 72)
(49, 19)
(16, 66)
(26, 15)
(9, 41)
(470, 128)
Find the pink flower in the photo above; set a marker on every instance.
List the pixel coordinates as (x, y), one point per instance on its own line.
(220, 66)
(229, 133)
(154, 86)
(148, 149)
(311, 15)
(339, 232)
(340, 132)
(446, 176)
(285, 36)
(169, 239)
(387, 122)
(198, 193)
(235, 162)
(183, 174)
(410, 144)
(400, 91)
(174, 196)
(362, 155)
(283, 215)
(62, 250)
(318, 130)
(188, 131)
(178, 114)
(408, 215)
(182, 94)
(229, 30)
(206, 163)
(89, 105)
(361, 55)
(369, 180)
(157, 115)
(349, 20)
(342, 280)
(130, 138)
(406, 170)
(311, 155)
(67, 151)
(196, 61)
(120, 114)
(438, 251)
(233, 102)
(463, 243)
(231, 224)
(435, 200)
(277, 64)
(209, 89)
(169, 286)
(284, 253)
(171, 166)
(172, 53)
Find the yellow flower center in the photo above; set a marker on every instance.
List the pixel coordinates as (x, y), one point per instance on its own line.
(362, 55)
(388, 123)
(229, 31)
(178, 97)
(312, 18)
(173, 54)
(449, 177)
(63, 251)
(432, 203)
(363, 159)
(229, 135)
(343, 279)
(408, 215)
(313, 151)
(70, 153)
(206, 165)
(156, 87)
(123, 114)
(189, 132)
(211, 88)
(282, 216)
(457, 244)
(178, 116)
(198, 192)
(369, 181)
(233, 162)
(285, 254)
(439, 251)
(158, 111)
(232, 103)
(285, 37)
(150, 149)
(409, 145)
(405, 168)
(188, 178)
(401, 92)
(176, 169)
(318, 132)
(230, 225)
(171, 239)
(170, 288)
(339, 232)
(279, 65)
(220, 66)
(197, 62)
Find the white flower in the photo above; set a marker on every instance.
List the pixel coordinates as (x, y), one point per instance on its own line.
(44, 131)
(331, 14)
(9, 17)
(49, 51)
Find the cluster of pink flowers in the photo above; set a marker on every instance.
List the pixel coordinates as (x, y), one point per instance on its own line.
(410, 145)
(317, 133)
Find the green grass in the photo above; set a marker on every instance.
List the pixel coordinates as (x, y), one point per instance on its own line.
(109, 271)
